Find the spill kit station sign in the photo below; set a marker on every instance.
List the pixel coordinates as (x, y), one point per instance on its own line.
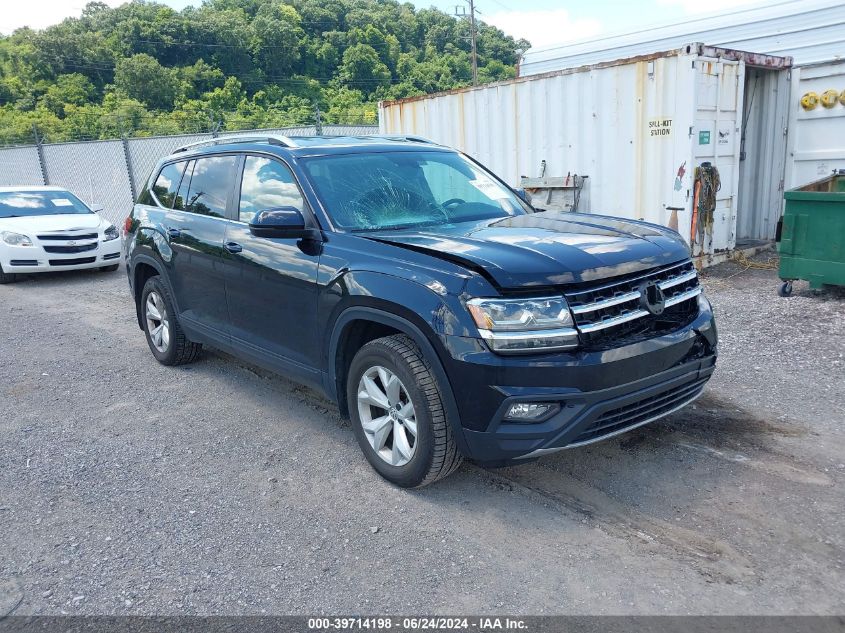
(659, 127)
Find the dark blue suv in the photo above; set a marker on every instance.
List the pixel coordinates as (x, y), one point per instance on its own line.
(443, 314)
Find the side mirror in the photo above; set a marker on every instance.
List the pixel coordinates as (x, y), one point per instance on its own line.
(97, 207)
(282, 222)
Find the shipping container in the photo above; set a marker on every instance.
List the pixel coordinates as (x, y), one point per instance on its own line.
(637, 128)
(816, 126)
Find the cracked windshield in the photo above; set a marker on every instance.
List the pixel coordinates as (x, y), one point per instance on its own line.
(400, 190)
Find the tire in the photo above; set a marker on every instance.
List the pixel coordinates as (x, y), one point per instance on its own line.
(786, 289)
(109, 269)
(434, 454)
(7, 278)
(170, 346)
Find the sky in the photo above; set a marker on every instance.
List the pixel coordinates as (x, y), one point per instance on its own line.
(542, 22)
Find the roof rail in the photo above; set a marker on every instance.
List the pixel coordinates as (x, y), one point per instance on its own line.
(409, 137)
(281, 141)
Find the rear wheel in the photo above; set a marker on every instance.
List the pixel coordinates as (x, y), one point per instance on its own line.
(165, 337)
(7, 278)
(398, 414)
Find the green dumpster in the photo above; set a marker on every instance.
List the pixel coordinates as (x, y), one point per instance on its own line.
(812, 234)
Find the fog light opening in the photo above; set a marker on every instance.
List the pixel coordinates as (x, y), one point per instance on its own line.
(528, 412)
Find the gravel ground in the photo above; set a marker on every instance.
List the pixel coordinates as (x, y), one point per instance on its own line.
(131, 488)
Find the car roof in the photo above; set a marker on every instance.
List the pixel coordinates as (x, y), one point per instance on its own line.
(301, 146)
(26, 188)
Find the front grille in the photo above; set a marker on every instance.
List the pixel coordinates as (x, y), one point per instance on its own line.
(610, 314)
(24, 262)
(640, 411)
(78, 248)
(67, 236)
(72, 262)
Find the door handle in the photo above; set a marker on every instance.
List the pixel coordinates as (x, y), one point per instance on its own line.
(233, 247)
(174, 234)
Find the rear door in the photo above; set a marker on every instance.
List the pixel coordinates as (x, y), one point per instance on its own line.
(271, 284)
(196, 226)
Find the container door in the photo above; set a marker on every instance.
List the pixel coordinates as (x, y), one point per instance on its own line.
(715, 139)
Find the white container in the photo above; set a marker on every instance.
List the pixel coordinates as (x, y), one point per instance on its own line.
(637, 127)
(817, 136)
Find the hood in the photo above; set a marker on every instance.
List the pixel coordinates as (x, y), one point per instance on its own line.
(36, 224)
(546, 248)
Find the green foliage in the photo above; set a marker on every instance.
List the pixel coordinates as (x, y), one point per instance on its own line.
(141, 77)
(142, 68)
(362, 67)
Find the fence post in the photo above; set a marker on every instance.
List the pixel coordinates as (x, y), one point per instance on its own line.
(40, 148)
(318, 121)
(129, 171)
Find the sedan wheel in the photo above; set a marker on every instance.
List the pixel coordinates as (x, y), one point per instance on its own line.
(387, 415)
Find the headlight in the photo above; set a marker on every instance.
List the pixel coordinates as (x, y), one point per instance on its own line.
(15, 239)
(524, 325)
(111, 233)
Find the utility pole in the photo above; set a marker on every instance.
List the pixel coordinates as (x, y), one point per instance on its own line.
(318, 120)
(473, 36)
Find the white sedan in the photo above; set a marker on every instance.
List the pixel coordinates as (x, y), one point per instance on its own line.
(47, 228)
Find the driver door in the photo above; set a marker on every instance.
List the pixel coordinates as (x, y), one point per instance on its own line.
(271, 283)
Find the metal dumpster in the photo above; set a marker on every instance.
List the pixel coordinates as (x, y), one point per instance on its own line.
(812, 234)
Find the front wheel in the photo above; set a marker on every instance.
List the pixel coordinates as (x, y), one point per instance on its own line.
(7, 278)
(165, 337)
(398, 414)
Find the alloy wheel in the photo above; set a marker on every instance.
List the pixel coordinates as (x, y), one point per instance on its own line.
(157, 323)
(387, 415)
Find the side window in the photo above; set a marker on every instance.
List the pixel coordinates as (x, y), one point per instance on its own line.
(182, 193)
(167, 183)
(267, 184)
(210, 183)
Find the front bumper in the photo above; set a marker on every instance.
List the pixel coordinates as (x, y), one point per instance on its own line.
(34, 259)
(601, 394)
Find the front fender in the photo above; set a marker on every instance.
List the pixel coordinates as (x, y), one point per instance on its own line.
(423, 303)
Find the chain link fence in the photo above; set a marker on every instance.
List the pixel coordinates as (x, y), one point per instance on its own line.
(110, 173)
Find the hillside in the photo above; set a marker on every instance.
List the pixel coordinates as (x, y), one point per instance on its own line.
(143, 68)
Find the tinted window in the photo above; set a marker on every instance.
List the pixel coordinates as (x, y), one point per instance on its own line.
(182, 194)
(267, 184)
(167, 183)
(210, 183)
(15, 204)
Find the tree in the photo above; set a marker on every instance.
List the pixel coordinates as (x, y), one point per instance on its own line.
(362, 68)
(141, 77)
(278, 37)
(144, 68)
(72, 89)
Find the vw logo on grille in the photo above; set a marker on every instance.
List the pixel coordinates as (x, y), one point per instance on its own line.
(652, 298)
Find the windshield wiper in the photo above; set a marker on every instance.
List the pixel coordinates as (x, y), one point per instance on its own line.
(393, 227)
